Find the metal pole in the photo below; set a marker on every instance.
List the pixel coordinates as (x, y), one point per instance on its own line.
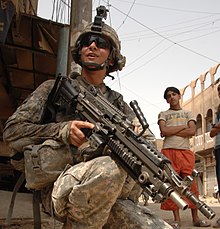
(62, 54)
(80, 16)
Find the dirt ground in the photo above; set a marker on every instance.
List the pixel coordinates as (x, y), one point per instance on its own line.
(22, 217)
(186, 219)
(28, 224)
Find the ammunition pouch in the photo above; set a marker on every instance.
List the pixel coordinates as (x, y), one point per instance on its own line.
(44, 163)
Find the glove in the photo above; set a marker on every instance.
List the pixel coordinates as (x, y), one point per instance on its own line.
(88, 151)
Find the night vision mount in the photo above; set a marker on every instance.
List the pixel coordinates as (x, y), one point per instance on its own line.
(97, 24)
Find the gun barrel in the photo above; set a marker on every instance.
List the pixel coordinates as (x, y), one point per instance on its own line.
(174, 196)
(167, 190)
(200, 205)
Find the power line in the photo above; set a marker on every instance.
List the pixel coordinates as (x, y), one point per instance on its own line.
(126, 15)
(148, 51)
(147, 62)
(165, 38)
(172, 9)
(203, 35)
(149, 35)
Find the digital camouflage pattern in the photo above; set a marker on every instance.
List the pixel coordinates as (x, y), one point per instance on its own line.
(25, 127)
(85, 194)
(44, 163)
(91, 189)
(127, 215)
(87, 208)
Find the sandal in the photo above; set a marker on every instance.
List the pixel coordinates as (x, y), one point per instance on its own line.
(176, 225)
(201, 223)
(217, 224)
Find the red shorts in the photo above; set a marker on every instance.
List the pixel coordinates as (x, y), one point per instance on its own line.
(183, 162)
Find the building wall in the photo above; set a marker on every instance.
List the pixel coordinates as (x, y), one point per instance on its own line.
(203, 101)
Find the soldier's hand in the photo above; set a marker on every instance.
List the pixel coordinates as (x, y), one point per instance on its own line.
(77, 137)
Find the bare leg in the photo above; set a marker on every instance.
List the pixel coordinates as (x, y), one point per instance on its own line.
(198, 222)
(195, 216)
(176, 215)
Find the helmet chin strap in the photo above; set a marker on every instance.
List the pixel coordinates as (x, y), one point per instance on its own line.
(94, 66)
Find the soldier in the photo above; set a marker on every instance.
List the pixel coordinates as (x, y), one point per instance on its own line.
(90, 193)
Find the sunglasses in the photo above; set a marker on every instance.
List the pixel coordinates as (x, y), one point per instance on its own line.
(99, 41)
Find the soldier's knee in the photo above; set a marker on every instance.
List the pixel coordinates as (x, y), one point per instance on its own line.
(110, 170)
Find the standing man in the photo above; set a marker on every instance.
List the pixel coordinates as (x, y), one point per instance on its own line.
(177, 126)
(215, 132)
(85, 193)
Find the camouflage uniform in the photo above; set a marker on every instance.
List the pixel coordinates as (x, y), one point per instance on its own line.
(86, 194)
(92, 191)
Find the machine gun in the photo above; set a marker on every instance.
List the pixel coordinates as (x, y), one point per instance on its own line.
(138, 156)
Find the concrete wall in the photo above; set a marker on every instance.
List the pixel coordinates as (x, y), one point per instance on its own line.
(203, 101)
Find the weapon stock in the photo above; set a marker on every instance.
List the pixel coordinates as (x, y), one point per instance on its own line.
(138, 156)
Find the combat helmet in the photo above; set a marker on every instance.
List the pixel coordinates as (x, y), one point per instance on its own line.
(99, 27)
